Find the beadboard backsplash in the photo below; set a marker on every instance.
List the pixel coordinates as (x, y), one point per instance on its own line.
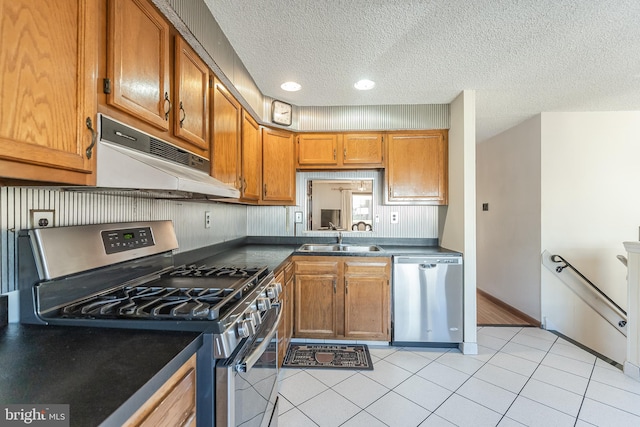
(413, 221)
(229, 221)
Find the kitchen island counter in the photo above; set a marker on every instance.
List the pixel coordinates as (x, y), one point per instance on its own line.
(103, 374)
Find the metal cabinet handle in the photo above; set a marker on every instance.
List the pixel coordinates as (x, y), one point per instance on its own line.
(346, 287)
(94, 136)
(184, 114)
(334, 154)
(167, 110)
(345, 154)
(335, 286)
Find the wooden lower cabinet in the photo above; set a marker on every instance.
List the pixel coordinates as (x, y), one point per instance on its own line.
(342, 298)
(285, 329)
(174, 404)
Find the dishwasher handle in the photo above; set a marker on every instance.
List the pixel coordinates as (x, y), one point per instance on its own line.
(427, 266)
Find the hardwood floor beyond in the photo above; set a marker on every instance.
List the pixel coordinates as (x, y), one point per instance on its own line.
(492, 312)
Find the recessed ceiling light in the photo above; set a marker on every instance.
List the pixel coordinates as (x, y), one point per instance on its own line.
(291, 86)
(364, 84)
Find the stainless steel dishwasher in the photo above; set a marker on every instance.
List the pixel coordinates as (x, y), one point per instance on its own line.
(427, 299)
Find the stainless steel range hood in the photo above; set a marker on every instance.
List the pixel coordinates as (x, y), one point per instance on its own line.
(128, 159)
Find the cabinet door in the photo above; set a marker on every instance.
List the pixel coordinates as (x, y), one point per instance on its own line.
(174, 404)
(251, 159)
(320, 149)
(289, 314)
(138, 61)
(360, 149)
(191, 112)
(315, 306)
(282, 298)
(278, 168)
(366, 308)
(48, 63)
(417, 168)
(225, 122)
(367, 296)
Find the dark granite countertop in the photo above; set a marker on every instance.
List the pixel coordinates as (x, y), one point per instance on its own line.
(273, 251)
(103, 374)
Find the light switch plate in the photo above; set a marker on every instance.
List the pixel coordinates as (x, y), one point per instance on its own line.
(298, 219)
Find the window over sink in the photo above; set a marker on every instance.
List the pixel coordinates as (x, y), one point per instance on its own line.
(340, 204)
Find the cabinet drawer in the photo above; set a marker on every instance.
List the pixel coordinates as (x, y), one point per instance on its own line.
(316, 267)
(366, 268)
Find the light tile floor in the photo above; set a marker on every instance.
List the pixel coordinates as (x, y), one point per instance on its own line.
(521, 376)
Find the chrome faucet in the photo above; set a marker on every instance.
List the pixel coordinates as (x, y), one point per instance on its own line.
(339, 237)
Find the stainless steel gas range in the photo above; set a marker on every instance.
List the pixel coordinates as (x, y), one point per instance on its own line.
(122, 275)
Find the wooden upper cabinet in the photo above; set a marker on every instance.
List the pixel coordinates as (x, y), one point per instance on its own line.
(318, 149)
(362, 149)
(225, 136)
(278, 167)
(138, 61)
(417, 168)
(191, 107)
(251, 159)
(339, 151)
(48, 68)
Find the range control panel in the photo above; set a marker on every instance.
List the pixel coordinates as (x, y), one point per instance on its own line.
(125, 240)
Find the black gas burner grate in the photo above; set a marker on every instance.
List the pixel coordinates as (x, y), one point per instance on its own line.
(152, 302)
(213, 271)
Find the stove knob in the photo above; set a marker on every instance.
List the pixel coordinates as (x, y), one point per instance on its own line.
(254, 315)
(272, 293)
(246, 328)
(263, 304)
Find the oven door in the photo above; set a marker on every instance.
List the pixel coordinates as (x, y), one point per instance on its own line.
(246, 383)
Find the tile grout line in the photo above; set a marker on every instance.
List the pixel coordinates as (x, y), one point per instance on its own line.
(584, 396)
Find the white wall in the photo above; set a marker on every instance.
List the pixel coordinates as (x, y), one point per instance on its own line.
(590, 185)
(459, 224)
(508, 179)
(590, 206)
(565, 183)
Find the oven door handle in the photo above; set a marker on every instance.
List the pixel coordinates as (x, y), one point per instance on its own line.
(252, 358)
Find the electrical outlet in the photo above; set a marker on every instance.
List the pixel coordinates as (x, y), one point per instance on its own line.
(207, 219)
(42, 218)
(394, 217)
(298, 219)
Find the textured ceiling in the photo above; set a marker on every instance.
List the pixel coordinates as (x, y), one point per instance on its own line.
(522, 57)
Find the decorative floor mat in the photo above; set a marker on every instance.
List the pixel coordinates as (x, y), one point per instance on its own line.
(345, 356)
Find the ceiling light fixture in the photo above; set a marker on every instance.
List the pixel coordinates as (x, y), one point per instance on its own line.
(364, 84)
(291, 86)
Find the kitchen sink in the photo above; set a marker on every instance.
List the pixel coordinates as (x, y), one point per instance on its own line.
(329, 247)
